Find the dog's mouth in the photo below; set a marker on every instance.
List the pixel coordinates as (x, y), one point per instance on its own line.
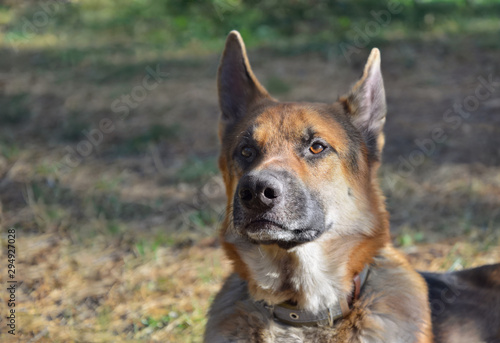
(265, 231)
(263, 224)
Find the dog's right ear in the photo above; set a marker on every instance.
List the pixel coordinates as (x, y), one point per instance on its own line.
(237, 85)
(366, 105)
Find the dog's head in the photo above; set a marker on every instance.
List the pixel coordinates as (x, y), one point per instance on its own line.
(295, 172)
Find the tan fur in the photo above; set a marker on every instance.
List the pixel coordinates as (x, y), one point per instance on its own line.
(393, 306)
(394, 299)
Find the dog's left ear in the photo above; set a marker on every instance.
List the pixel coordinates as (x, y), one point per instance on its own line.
(366, 105)
(238, 87)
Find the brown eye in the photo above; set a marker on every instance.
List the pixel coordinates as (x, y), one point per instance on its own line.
(247, 152)
(316, 148)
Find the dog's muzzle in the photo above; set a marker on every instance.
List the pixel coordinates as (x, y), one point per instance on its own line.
(273, 206)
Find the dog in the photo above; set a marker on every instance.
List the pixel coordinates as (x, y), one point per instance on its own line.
(307, 230)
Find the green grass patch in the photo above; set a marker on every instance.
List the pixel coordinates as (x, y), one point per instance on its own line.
(152, 135)
(276, 85)
(104, 317)
(14, 108)
(196, 169)
(202, 219)
(9, 150)
(111, 207)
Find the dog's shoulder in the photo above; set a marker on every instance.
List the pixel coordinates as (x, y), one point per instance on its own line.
(234, 317)
(394, 303)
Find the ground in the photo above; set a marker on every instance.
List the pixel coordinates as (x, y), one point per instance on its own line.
(116, 221)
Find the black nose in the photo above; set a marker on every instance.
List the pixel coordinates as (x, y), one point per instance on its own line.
(260, 191)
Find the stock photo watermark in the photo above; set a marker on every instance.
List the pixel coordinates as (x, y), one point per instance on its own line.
(451, 119)
(222, 7)
(32, 25)
(447, 296)
(12, 281)
(205, 199)
(121, 108)
(362, 36)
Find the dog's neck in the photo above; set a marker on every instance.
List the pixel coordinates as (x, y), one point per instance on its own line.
(314, 276)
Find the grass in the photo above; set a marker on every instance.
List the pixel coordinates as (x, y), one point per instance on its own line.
(122, 247)
(276, 85)
(9, 151)
(152, 136)
(14, 109)
(196, 169)
(74, 128)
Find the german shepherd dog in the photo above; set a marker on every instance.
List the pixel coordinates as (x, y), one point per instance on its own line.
(308, 233)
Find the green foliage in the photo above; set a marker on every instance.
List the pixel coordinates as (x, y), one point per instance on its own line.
(407, 239)
(156, 323)
(171, 24)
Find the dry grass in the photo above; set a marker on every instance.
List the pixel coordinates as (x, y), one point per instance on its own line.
(103, 293)
(122, 248)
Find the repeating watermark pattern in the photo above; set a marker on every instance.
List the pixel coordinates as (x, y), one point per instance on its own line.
(447, 296)
(362, 36)
(204, 200)
(224, 6)
(138, 93)
(121, 108)
(451, 120)
(31, 26)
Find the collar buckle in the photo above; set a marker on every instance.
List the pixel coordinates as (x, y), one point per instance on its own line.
(331, 320)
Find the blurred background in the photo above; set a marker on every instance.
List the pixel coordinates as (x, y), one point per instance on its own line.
(108, 144)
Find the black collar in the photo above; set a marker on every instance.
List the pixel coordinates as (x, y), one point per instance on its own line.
(289, 314)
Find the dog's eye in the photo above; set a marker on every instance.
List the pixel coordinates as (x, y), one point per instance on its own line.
(247, 152)
(316, 148)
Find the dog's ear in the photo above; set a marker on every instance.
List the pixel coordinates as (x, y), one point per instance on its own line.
(237, 85)
(366, 105)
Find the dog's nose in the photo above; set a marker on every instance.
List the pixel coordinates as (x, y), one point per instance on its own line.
(260, 191)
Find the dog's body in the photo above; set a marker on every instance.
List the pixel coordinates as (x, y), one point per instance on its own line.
(305, 218)
(466, 305)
